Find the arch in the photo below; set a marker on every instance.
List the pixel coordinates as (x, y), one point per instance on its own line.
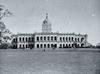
(60, 46)
(69, 39)
(60, 38)
(48, 45)
(66, 39)
(82, 45)
(51, 45)
(55, 45)
(48, 38)
(37, 38)
(37, 45)
(51, 38)
(72, 39)
(26, 39)
(44, 38)
(23, 46)
(82, 39)
(55, 38)
(69, 45)
(44, 45)
(41, 38)
(75, 39)
(26, 46)
(41, 45)
(20, 39)
(63, 39)
(23, 39)
(63, 45)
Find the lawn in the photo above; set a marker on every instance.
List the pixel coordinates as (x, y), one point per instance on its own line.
(55, 62)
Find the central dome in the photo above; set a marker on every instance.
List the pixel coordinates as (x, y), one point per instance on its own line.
(46, 26)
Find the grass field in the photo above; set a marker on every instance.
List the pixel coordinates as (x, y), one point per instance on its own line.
(55, 62)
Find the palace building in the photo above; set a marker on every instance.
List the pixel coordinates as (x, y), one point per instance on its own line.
(48, 39)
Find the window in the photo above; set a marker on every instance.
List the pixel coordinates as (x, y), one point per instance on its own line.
(32, 39)
(78, 40)
(63, 45)
(48, 45)
(26, 39)
(29, 39)
(75, 39)
(41, 46)
(52, 38)
(37, 38)
(60, 45)
(51, 45)
(48, 38)
(23, 39)
(66, 39)
(69, 39)
(37, 45)
(60, 39)
(44, 45)
(72, 39)
(63, 39)
(44, 38)
(26, 46)
(41, 38)
(20, 39)
(82, 39)
(55, 38)
(20, 46)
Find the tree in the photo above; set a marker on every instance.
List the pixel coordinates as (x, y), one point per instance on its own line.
(5, 34)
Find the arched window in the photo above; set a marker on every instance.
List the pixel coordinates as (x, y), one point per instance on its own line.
(20, 39)
(63, 45)
(75, 39)
(48, 45)
(44, 45)
(78, 40)
(69, 39)
(26, 39)
(60, 45)
(51, 45)
(32, 39)
(41, 38)
(51, 38)
(20, 46)
(66, 39)
(26, 46)
(82, 39)
(55, 38)
(44, 38)
(72, 39)
(63, 39)
(41, 45)
(37, 38)
(23, 39)
(37, 45)
(48, 38)
(23, 46)
(60, 38)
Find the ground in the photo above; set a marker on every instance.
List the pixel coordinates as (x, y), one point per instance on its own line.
(49, 62)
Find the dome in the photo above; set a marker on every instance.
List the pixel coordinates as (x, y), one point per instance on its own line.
(46, 26)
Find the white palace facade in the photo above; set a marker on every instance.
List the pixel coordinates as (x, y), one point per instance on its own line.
(48, 39)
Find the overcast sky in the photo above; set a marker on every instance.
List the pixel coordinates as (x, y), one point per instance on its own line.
(67, 16)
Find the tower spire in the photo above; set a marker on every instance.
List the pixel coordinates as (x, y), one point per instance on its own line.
(46, 15)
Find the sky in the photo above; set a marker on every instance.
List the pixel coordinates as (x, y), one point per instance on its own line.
(66, 16)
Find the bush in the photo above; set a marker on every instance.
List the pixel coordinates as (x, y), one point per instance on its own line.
(4, 46)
